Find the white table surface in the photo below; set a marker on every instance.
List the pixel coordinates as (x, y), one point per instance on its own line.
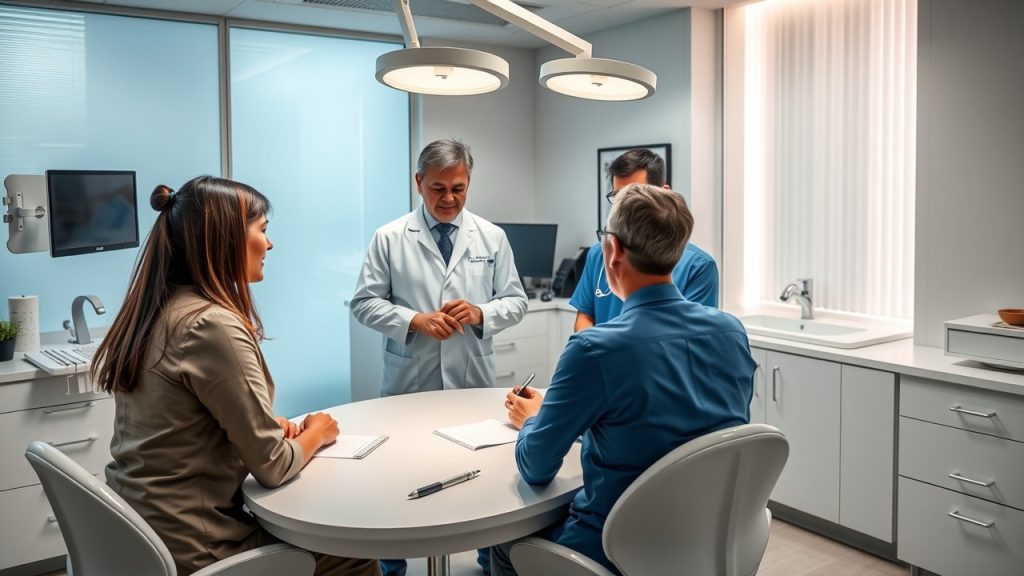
(358, 508)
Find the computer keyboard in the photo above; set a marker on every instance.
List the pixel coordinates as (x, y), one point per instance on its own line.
(65, 360)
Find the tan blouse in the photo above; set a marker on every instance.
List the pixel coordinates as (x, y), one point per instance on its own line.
(198, 422)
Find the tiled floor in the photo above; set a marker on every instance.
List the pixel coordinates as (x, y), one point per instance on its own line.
(791, 552)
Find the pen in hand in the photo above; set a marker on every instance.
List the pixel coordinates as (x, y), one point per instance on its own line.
(438, 486)
(522, 388)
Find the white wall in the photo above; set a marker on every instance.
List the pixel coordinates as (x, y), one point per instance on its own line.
(499, 129)
(970, 176)
(569, 130)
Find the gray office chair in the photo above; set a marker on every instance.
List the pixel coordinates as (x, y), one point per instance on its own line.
(105, 536)
(700, 510)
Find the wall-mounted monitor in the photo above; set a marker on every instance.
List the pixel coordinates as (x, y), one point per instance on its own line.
(91, 211)
(534, 248)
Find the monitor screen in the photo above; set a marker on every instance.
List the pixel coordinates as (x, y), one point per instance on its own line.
(533, 246)
(91, 211)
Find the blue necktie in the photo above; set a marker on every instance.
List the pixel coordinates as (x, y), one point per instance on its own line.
(444, 240)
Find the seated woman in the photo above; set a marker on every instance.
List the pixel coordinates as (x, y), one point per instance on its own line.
(192, 392)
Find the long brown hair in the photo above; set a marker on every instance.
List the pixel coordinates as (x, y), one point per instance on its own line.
(199, 240)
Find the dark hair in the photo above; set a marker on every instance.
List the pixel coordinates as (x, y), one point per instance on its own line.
(654, 224)
(639, 159)
(198, 239)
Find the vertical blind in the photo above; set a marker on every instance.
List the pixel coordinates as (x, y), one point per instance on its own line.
(829, 147)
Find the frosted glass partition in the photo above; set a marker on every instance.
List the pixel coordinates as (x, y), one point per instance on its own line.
(329, 145)
(90, 91)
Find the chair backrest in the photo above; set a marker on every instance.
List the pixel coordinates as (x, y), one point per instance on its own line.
(103, 534)
(702, 508)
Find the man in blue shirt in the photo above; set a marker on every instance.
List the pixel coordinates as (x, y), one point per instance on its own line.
(665, 371)
(696, 274)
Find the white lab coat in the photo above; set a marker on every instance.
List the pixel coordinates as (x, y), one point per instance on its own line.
(403, 274)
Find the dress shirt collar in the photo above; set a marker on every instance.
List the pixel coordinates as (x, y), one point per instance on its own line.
(431, 222)
(650, 294)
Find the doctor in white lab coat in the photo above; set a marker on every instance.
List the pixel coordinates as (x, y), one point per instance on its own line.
(438, 318)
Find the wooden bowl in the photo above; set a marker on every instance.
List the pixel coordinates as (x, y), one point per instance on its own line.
(1013, 316)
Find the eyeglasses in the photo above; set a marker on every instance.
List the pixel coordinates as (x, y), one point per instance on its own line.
(610, 196)
(602, 232)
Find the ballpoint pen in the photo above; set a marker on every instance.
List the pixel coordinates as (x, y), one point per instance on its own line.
(438, 486)
(519, 392)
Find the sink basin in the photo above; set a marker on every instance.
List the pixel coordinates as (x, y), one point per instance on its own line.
(830, 332)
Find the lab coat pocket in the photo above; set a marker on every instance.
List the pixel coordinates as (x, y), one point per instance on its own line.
(479, 282)
(400, 374)
(480, 370)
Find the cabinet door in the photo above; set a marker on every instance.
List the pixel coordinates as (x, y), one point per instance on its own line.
(757, 400)
(867, 459)
(803, 396)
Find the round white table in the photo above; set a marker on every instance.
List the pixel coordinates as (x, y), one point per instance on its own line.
(359, 508)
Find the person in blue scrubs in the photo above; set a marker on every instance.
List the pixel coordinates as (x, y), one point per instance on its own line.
(663, 372)
(696, 274)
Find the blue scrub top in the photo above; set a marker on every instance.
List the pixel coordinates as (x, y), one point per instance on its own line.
(696, 276)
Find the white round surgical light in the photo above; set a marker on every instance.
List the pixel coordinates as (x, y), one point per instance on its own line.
(442, 71)
(598, 79)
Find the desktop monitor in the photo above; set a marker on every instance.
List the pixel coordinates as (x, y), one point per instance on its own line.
(91, 211)
(534, 248)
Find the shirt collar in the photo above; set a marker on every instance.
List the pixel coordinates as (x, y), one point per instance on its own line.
(431, 222)
(652, 293)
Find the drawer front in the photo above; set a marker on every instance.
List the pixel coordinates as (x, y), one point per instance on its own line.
(27, 533)
(516, 375)
(49, 391)
(979, 345)
(930, 453)
(962, 407)
(931, 539)
(533, 324)
(85, 429)
(520, 352)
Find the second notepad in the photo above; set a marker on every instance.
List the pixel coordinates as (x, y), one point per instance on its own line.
(478, 435)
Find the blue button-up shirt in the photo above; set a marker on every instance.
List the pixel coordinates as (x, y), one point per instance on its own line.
(660, 374)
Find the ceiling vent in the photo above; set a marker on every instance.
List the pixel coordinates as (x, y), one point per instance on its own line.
(441, 9)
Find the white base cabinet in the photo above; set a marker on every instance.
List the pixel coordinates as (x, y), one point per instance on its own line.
(840, 422)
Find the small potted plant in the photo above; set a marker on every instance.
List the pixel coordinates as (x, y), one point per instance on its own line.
(8, 330)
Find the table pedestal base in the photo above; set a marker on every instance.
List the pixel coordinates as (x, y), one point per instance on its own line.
(438, 565)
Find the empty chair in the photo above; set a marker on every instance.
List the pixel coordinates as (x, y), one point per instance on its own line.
(700, 510)
(105, 536)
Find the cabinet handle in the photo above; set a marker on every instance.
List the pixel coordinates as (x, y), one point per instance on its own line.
(505, 346)
(91, 438)
(775, 373)
(504, 375)
(67, 408)
(956, 476)
(956, 514)
(957, 408)
(51, 519)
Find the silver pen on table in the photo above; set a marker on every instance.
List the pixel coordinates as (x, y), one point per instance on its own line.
(438, 486)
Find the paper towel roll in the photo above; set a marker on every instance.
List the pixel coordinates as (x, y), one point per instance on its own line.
(24, 310)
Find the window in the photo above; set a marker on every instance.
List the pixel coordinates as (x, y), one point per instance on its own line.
(828, 148)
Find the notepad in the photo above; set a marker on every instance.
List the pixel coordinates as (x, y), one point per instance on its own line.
(351, 446)
(480, 434)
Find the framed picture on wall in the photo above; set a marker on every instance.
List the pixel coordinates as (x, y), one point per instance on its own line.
(605, 157)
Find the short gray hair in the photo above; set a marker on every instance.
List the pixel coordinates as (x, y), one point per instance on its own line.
(653, 224)
(444, 154)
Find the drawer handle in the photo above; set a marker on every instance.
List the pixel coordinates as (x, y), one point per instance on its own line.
(957, 408)
(956, 476)
(504, 375)
(958, 516)
(505, 346)
(775, 373)
(51, 519)
(67, 408)
(70, 442)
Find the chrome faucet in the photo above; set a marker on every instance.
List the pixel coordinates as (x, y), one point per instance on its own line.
(801, 292)
(80, 332)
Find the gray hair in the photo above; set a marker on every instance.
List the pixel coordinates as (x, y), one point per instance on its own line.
(444, 154)
(653, 224)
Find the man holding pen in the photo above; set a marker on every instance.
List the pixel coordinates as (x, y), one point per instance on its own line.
(662, 373)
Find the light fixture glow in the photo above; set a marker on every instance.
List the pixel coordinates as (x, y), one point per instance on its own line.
(598, 79)
(442, 71)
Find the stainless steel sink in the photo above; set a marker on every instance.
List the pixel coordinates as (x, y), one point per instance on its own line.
(829, 332)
